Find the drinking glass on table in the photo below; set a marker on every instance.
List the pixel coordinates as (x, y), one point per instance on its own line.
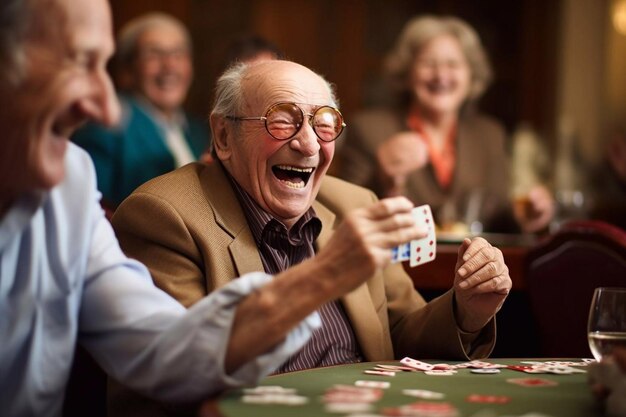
(606, 328)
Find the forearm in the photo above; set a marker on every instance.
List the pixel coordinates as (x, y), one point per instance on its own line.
(366, 237)
(265, 317)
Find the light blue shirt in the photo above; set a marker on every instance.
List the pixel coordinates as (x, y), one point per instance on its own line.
(63, 277)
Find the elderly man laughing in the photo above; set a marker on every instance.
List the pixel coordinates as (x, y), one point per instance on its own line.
(267, 204)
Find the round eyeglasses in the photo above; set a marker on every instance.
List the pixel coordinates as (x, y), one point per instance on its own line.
(284, 120)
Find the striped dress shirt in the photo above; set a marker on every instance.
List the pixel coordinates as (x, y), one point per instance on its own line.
(335, 342)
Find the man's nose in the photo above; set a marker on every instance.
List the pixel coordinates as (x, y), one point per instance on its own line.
(102, 105)
(306, 141)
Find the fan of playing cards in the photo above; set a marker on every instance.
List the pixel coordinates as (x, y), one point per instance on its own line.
(419, 251)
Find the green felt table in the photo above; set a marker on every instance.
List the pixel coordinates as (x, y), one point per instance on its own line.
(571, 397)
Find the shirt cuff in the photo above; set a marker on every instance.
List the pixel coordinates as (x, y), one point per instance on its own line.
(222, 306)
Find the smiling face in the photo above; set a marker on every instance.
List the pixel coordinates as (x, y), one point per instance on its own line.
(440, 78)
(162, 71)
(283, 177)
(64, 83)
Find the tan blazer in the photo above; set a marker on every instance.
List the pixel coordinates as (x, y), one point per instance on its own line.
(189, 229)
(482, 166)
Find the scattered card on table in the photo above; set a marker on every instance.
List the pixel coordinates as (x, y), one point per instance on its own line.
(532, 382)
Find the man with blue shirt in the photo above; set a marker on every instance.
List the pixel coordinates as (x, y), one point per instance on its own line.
(154, 135)
(63, 277)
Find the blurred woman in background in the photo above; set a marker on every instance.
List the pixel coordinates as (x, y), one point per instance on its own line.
(433, 145)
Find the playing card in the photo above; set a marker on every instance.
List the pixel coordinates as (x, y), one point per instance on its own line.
(381, 373)
(372, 384)
(440, 372)
(422, 408)
(532, 382)
(424, 394)
(345, 408)
(401, 253)
(486, 371)
(269, 389)
(484, 365)
(414, 363)
(487, 399)
(425, 249)
(393, 368)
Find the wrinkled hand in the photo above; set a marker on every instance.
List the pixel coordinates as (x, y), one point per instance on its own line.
(607, 380)
(397, 157)
(363, 242)
(481, 283)
(539, 211)
(598, 386)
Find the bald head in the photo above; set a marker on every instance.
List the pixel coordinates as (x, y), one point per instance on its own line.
(243, 81)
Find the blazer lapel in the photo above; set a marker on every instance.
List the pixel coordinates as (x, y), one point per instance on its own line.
(230, 217)
(357, 303)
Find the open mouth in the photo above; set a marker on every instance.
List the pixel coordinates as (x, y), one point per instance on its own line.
(66, 123)
(293, 177)
(64, 130)
(167, 81)
(439, 88)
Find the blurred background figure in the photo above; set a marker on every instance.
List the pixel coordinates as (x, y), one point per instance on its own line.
(609, 182)
(433, 145)
(153, 70)
(251, 48)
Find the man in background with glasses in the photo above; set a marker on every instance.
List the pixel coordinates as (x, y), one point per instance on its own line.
(153, 68)
(266, 204)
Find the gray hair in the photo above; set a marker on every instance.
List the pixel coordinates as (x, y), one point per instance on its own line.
(129, 34)
(14, 21)
(419, 31)
(229, 94)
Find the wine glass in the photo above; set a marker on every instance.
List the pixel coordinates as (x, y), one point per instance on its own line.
(606, 328)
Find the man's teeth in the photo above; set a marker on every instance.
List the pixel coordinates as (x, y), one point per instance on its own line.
(290, 168)
(295, 182)
(296, 185)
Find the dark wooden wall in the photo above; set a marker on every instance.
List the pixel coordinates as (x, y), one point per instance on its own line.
(346, 40)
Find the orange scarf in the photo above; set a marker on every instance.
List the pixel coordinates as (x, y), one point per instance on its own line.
(443, 160)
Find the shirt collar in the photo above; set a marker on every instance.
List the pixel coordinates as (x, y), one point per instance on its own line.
(178, 120)
(261, 222)
(19, 215)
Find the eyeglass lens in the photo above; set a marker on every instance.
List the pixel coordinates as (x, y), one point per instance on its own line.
(284, 120)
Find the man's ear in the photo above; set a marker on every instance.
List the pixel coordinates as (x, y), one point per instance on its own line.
(221, 131)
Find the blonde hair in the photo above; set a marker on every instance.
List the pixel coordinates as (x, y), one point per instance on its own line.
(419, 31)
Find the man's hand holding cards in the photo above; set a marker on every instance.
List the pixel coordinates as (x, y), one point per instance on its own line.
(421, 250)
